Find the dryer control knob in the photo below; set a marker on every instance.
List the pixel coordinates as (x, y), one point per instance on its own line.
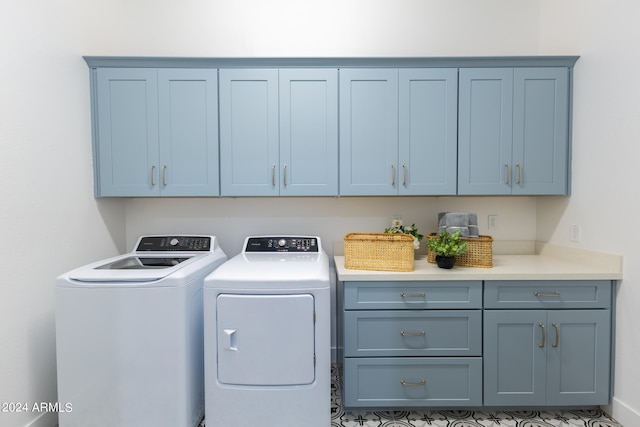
(282, 242)
(174, 241)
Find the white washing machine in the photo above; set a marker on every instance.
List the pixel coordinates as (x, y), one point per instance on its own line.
(267, 336)
(129, 335)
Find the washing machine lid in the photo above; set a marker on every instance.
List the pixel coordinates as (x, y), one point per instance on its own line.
(154, 258)
(134, 268)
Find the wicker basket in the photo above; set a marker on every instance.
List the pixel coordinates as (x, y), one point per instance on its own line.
(480, 253)
(378, 251)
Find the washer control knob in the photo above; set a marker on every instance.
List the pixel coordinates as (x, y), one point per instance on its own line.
(174, 241)
(282, 243)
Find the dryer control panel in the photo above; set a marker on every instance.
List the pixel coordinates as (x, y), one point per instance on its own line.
(282, 244)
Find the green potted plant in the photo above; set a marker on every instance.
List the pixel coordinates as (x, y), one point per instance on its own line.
(446, 246)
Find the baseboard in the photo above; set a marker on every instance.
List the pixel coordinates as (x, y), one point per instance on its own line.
(46, 419)
(622, 413)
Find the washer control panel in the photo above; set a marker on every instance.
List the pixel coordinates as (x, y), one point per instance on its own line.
(174, 243)
(282, 244)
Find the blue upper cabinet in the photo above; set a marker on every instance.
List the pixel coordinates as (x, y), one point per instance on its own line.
(188, 112)
(540, 131)
(278, 132)
(513, 131)
(428, 134)
(331, 126)
(368, 132)
(126, 142)
(308, 132)
(249, 132)
(398, 131)
(157, 132)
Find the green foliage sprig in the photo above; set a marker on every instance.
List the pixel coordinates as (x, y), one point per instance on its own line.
(447, 245)
(398, 228)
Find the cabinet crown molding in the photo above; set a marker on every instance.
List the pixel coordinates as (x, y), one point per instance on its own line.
(334, 62)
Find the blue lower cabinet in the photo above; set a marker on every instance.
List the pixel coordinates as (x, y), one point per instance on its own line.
(547, 357)
(497, 343)
(413, 382)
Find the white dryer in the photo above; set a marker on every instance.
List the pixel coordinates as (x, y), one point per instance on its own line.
(129, 335)
(267, 335)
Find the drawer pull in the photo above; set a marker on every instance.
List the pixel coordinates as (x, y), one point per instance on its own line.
(417, 334)
(542, 294)
(420, 295)
(403, 382)
(555, 344)
(544, 335)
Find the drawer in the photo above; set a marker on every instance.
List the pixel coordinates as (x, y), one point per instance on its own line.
(548, 294)
(413, 333)
(402, 295)
(412, 382)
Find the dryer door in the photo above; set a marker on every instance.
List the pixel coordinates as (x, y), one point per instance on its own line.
(266, 340)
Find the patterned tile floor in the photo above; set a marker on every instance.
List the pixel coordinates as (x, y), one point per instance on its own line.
(457, 418)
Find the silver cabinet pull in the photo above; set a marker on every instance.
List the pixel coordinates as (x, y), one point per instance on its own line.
(404, 174)
(555, 344)
(508, 181)
(519, 166)
(421, 383)
(544, 335)
(273, 175)
(420, 295)
(284, 172)
(416, 334)
(164, 181)
(542, 294)
(393, 174)
(153, 183)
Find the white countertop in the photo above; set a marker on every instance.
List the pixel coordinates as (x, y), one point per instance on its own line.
(551, 263)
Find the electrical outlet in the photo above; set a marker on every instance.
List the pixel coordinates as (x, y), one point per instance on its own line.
(492, 222)
(575, 233)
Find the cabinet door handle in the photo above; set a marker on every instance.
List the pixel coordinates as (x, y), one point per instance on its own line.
(555, 344)
(393, 174)
(420, 295)
(164, 181)
(153, 183)
(404, 174)
(519, 166)
(544, 335)
(508, 180)
(273, 175)
(416, 334)
(284, 173)
(421, 383)
(542, 294)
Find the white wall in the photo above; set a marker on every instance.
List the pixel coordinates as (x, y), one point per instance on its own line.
(51, 223)
(606, 150)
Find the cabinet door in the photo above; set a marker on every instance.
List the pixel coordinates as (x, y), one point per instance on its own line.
(578, 353)
(249, 164)
(127, 132)
(308, 132)
(547, 357)
(368, 132)
(485, 131)
(428, 131)
(540, 131)
(188, 111)
(515, 363)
